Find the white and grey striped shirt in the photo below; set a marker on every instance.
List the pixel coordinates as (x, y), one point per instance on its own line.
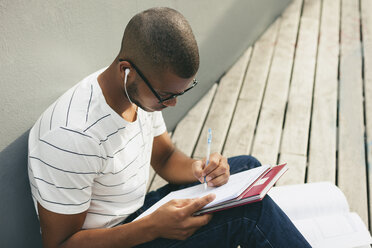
(84, 156)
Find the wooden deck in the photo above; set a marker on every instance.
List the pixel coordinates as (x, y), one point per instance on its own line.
(302, 94)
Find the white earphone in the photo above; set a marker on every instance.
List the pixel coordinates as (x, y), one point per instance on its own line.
(125, 83)
(126, 92)
(126, 75)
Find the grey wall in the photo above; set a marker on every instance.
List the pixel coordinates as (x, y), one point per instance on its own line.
(48, 46)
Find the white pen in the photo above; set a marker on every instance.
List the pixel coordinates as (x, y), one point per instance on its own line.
(209, 141)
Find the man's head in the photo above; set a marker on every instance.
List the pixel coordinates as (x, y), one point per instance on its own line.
(158, 44)
(161, 39)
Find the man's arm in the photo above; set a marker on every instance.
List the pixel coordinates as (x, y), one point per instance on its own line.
(175, 167)
(61, 230)
(170, 163)
(173, 220)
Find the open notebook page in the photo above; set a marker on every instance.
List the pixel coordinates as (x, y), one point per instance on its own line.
(321, 213)
(338, 230)
(309, 200)
(232, 189)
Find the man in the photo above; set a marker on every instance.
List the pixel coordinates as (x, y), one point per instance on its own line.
(90, 152)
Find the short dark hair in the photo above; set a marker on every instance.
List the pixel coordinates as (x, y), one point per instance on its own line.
(161, 38)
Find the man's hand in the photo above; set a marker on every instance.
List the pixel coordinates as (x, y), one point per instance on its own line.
(175, 220)
(217, 172)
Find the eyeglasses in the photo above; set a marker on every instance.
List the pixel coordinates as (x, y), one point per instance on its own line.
(161, 100)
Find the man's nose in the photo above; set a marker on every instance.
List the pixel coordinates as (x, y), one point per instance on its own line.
(171, 102)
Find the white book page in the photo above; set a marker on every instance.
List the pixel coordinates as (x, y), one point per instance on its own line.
(309, 200)
(338, 230)
(232, 189)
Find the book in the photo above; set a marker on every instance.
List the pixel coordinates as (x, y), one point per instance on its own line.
(321, 213)
(242, 188)
(253, 192)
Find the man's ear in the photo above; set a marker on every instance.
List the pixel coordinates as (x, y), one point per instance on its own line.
(124, 66)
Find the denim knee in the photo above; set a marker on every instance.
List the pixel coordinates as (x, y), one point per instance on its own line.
(252, 161)
(276, 228)
(242, 163)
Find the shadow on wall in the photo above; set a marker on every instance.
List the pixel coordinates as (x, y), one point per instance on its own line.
(19, 224)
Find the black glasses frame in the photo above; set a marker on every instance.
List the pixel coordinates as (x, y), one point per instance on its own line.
(161, 100)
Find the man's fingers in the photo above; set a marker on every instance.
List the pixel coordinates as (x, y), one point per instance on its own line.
(214, 161)
(218, 181)
(218, 172)
(198, 221)
(199, 203)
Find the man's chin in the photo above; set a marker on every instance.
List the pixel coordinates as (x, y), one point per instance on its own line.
(161, 108)
(157, 108)
(152, 109)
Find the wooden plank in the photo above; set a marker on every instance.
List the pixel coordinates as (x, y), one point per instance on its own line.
(366, 7)
(297, 119)
(239, 139)
(351, 156)
(223, 106)
(322, 150)
(188, 129)
(296, 169)
(269, 128)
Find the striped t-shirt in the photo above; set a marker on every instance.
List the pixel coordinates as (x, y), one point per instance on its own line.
(84, 156)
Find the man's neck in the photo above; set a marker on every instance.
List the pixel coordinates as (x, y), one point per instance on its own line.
(111, 85)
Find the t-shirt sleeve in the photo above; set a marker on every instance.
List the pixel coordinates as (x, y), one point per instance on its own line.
(158, 127)
(63, 166)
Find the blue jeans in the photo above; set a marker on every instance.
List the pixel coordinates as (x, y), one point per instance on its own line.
(260, 224)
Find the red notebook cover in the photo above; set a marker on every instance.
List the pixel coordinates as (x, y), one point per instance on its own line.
(263, 182)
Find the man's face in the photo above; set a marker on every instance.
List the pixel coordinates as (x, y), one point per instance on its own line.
(164, 84)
